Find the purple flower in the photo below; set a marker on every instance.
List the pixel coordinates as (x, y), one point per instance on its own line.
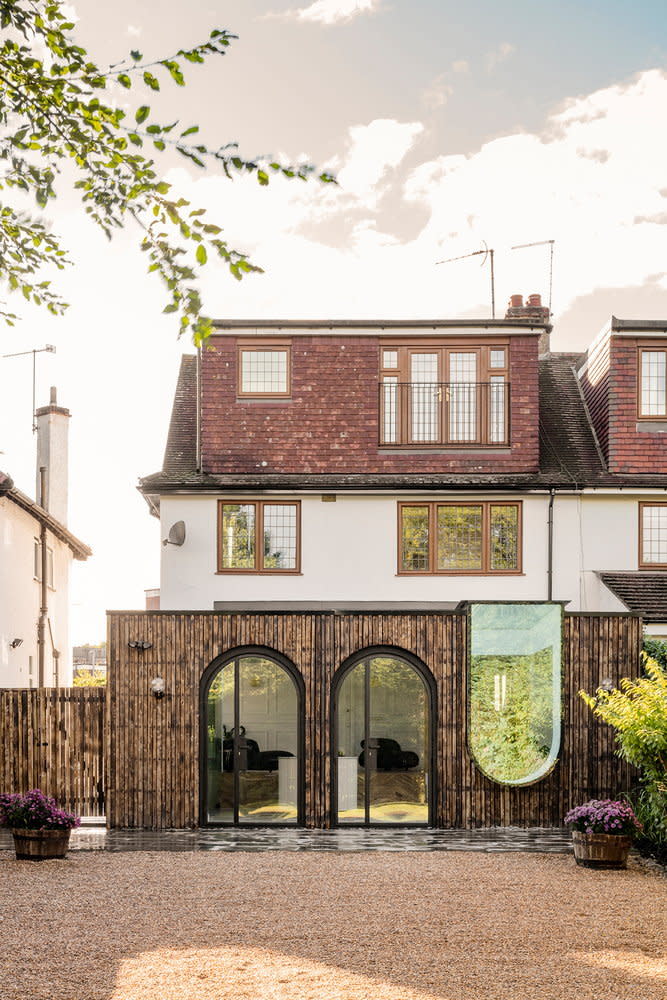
(34, 811)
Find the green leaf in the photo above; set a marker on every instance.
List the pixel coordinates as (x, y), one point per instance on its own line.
(151, 81)
(190, 131)
(124, 80)
(142, 114)
(136, 55)
(201, 255)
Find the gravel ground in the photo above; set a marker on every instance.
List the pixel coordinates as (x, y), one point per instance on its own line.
(314, 926)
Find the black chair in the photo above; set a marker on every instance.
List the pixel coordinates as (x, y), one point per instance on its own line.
(389, 756)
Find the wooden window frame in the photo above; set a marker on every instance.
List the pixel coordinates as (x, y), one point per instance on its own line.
(482, 347)
(258, 568)
(262, 345)
(658, 345)
(640, 549)
(486, 506)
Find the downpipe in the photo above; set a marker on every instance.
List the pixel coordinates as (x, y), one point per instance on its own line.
(550, 547)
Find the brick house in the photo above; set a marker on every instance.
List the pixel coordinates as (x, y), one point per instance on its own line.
(382, 541)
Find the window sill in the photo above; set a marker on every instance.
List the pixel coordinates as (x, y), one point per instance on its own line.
(651, 425)
(264, 399)
(467, 449)
(258, 572)
(463, 572)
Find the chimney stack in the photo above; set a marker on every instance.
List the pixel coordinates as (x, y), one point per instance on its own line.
(52, 454)
(532, 310)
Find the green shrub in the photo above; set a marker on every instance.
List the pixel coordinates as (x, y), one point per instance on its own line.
(637, 710)
(656, 649)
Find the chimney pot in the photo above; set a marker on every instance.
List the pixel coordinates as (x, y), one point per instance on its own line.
(516, 301)
(535, 300)
(54, 395)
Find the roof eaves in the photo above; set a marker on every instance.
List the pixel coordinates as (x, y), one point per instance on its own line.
(79, 549)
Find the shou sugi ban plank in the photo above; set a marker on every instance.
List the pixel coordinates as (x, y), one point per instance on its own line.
(317, 644)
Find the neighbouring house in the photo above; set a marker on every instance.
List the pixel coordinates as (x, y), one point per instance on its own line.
(36, 553)
(393, 552)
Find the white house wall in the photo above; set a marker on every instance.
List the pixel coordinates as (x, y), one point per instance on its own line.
(20, 602)
(349, 553)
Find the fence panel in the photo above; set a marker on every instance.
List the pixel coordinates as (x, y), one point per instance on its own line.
(53, 739)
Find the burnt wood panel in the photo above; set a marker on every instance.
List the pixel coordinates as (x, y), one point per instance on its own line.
(54, 739)
(153, 745)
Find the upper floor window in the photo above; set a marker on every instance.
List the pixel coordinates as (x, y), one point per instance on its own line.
(459, 538)
(264, 370)
(258, 536)
(653, 382)
(653, 535)
(445, 395)
(37, 563)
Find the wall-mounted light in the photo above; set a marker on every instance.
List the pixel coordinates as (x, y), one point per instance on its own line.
(15, 643)
(140, 644)
(157, 687)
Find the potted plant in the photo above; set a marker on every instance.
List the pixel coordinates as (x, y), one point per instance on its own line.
(41, 829)
(602, 833)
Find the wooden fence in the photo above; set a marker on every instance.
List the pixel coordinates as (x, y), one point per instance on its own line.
(153, 772)
(54, 739)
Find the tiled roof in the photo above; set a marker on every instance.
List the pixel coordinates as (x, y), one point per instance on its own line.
(644, 594)
(180, 456)
(7, 489)
(569, 453)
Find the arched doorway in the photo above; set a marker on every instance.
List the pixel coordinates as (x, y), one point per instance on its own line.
(383, 741)
(251, 740)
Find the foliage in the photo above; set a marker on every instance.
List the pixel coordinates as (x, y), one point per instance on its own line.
(637, 710)
(58, 106)
(511, 713)
(656, 649)
(89, 678)
(34, 811)
(604, 816)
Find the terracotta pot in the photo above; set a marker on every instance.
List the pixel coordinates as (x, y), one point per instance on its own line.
(39, 845)
(601, 850)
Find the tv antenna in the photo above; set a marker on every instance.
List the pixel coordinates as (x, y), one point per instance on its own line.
(50, 349)
(542, 243)
(488, 254)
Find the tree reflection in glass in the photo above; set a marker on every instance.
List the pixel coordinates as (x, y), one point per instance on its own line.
(515, 690)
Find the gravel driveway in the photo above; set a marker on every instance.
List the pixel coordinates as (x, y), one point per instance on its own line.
(315, 926)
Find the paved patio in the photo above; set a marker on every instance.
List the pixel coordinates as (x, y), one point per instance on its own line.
(97, 838)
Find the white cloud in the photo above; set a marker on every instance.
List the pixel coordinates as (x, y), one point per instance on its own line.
(590, 179)
(375, 150)
(499, 55)
(333, 11)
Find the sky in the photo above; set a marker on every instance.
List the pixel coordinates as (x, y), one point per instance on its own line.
(449, 127)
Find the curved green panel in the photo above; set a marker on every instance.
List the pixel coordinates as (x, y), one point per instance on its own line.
(514, 690)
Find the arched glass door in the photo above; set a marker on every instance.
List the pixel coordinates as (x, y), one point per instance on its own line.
(382, 743)
(253, 744)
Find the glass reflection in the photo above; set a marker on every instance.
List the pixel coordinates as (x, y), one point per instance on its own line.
(252, 741)
(515, 689)
(383, 741)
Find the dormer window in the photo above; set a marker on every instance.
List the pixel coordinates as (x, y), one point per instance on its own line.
(653, 383)
(264, 370)
(451, 393)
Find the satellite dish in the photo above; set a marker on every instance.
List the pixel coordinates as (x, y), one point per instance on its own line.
(176, 534)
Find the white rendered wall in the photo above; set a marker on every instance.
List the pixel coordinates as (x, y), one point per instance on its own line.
(349, 553)
(20, 601)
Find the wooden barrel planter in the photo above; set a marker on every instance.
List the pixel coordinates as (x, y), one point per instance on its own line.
(601, 850)
(40, 845)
